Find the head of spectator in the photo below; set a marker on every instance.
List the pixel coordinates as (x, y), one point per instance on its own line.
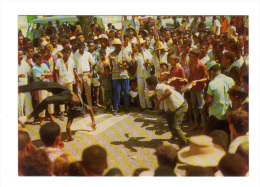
(37, 163)
(117, 44)
(66, 51)
(76, 169)
(107, 71)
(98, 31)
(112, 34)
(180, 34)
(49, 50)
(74, 29)
(218, 47)
(243, 151)
(213, 69)
(197, 171)
(42, 48)
(20, 40)
(166, 156)
(91, 46)
(114, 172)
(94, 160)
(178, 49)
(164, 171)
(220, 138)
(152, 31)
(201, 152)
(174, 38)
(109, 26)
(26, 43)
(81, 47)
(80, 35)
(236, 75)
(29, 52)
(61, 166)
(236, 48)
(238, 123)
(232, 165)
(219, 58)
(237, 96)
(67, 29)
(203, 49)
(25, 147)
(126, 40)
(38, 59)
(138, 171)
(65, 43)
(151, 83)
(186, 46)
(167, 35)
(173, 60)
(50, 134)
(228, 59)
(228, 43)
(54, 40)
(194, 56)
(103, 40)
(131, 32)
(102, 54)
(93, 28)
(147, 42)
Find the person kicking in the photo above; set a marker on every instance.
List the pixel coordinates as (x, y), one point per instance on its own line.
(61, 95)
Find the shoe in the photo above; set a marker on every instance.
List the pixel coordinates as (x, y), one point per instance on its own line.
(142, 109)
(62, 116)
(194, 127)
(22, 119)
(115, 112)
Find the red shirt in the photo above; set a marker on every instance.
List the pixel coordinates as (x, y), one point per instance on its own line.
(198, 71)
(177, 72)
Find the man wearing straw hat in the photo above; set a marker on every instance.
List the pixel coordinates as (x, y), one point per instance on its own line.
(201, 152)
(132, 34)
(118, 62)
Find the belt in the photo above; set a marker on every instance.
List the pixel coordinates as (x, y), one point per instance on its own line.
(86, 71)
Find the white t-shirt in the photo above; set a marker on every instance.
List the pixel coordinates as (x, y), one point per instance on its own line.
(83, 61)
(205, 60)
(217, 24)
(174, 101)
(55, 50)
(65, 75)
(25, 69)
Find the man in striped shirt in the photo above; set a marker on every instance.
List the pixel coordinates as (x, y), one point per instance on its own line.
(118, 62)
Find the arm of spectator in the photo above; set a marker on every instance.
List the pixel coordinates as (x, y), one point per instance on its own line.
(78, 79)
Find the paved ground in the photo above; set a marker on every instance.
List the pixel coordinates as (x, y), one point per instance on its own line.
(130, 140)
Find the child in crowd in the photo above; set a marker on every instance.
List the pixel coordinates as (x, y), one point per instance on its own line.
(133, 93)
(107, 84)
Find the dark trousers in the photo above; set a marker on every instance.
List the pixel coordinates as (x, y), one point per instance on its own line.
(216, 124)
(175, 119)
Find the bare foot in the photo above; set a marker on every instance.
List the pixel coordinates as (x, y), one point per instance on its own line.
(194, 127)
(69, 139)
(93, 126)
(51, 117)
(98, 105)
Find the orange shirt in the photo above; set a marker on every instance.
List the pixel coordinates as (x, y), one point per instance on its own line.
(224, 25)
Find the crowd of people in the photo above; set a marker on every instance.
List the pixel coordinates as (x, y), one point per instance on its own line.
(186, 72)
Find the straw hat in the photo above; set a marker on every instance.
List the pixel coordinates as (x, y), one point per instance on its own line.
(201, 152)
(131, 28)
(116, 41)
(103, 36)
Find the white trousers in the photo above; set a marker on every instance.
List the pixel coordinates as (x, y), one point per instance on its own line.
(70, 87)
(86, 83)
(42, 95)
(24, 104)
(142, 90)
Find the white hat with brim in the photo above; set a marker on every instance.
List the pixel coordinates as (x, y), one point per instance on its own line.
(147, 173)
(201, 152)
(116, 41)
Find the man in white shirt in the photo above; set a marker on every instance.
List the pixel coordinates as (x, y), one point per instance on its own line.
(83, 61)
(24, 99)
(138, 63)
(65, 73)
(204, 58)
(176, 104)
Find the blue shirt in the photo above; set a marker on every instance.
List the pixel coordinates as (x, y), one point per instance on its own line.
(37, 71)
